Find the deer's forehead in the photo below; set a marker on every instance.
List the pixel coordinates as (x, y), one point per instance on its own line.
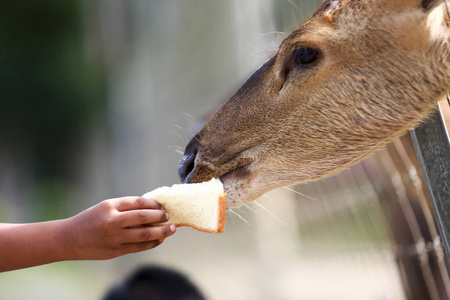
(346, 27)
(311, 34)
(345, 19)
(328, 7)
(332, 9)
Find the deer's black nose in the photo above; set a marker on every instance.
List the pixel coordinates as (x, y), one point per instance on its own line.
(186, 169)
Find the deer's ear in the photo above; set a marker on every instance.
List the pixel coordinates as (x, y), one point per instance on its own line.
(430, 4)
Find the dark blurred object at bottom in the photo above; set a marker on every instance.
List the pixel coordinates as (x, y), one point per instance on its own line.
(155, 283)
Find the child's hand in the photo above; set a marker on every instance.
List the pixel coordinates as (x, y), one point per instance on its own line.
(109, 229)
(116, 227)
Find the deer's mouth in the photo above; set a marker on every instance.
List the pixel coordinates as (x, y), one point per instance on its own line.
(237, 173)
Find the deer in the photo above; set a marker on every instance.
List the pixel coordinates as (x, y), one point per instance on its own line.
(355, 76)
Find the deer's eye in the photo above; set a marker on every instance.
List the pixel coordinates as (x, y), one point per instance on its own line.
(305, 55)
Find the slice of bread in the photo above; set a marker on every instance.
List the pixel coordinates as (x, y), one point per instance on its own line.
(198, 205)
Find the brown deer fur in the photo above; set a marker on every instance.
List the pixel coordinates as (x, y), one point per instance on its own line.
(382, 66)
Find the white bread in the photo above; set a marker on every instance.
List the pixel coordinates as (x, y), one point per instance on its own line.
(199, 205)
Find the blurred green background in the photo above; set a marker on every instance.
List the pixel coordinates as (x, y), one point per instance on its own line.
(51, 92)
(98, 100)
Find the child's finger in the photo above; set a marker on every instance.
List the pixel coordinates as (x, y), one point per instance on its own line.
(142, 216)
(146, 234)
(131, 203)
(138, 247)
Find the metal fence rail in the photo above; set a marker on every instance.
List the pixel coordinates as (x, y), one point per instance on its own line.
(432, 145)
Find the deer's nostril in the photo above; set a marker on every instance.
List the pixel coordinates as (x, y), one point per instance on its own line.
(187, 166)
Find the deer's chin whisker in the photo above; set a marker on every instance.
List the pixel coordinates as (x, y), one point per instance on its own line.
(239, 216)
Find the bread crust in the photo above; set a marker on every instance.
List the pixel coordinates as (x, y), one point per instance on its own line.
(222, 214)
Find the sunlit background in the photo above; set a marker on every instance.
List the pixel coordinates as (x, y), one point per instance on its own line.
(98, 100)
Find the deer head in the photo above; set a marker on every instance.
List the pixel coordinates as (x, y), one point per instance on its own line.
(355, 76)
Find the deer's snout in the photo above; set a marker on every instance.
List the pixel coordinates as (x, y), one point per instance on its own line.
(187, 164)
(186, 167)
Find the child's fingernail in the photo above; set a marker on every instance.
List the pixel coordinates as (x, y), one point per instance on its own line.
(166, 216)
(172, 228)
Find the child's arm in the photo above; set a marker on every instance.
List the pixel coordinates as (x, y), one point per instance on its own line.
(106, 230)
